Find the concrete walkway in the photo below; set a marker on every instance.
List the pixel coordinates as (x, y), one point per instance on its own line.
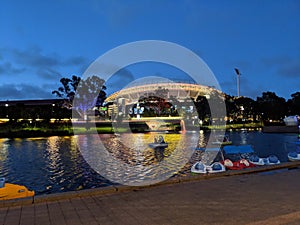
(259, 198)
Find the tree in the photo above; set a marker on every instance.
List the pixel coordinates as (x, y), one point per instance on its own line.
(202, 107)
(294, 104)
(271, 106)
(67, 90)
(89, 93)
(246, 107)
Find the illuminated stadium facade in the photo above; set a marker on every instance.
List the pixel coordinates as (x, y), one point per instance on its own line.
(180, 91)
(180, 96)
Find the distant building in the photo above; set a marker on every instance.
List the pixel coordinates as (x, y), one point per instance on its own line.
(33, 109)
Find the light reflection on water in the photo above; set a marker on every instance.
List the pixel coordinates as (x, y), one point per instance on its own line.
(127, 158)
(55, 164)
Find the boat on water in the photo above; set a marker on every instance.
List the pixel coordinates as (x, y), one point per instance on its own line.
(295, 155)
(235, 157)
(158, 145)
(271, 160)
(10, 191)
(200, 167)
(216, 167)
(256, 160)
(159, 142)
(208, 167)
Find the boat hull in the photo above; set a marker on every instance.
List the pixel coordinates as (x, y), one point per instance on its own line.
(14, 191)
(158, 145)
(294, 157)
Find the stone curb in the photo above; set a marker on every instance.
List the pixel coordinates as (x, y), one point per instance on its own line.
(122, 188)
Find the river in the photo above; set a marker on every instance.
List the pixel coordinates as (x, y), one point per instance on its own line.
(58, 164)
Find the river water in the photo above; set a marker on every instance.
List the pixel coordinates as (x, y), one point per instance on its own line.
(58, 164)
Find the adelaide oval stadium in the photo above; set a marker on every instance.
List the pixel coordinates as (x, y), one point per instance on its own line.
(180, 91)
(129, 100)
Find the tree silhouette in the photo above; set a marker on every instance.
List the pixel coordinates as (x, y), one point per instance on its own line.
(294, 104)
(67, 90)
(271, 106)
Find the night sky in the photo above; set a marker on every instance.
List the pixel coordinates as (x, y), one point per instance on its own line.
(43, 41)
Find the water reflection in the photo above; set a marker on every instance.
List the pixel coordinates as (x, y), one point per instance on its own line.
(56, 164)
(3, 150)
(128, 159)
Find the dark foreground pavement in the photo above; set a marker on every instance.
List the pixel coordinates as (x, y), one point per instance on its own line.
(260, 198)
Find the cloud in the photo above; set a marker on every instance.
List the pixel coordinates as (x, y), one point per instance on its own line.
(284, 66)
(75, 60)
(34, 57)
(18, 91)
(34, 61)
(119, 80)
(8, 69)
(48, 74)
(290, 70)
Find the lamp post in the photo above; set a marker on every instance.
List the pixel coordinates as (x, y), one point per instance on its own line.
(238, 81)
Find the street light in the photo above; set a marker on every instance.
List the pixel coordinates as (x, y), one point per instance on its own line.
(238, 81)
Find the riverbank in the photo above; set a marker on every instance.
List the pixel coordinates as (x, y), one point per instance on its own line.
(280, 129)
(178, 179)
(103, 127)
(260, 197)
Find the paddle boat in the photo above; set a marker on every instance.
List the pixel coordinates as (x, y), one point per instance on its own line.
(256, 160)
(158, 143)
(234, 157)
(209, 155)
(200, 167)
(13, 191)
(271, 160)
(237, 165)
(295, 155)
(216, 167)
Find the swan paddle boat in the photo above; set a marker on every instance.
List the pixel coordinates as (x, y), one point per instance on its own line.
(13, 191)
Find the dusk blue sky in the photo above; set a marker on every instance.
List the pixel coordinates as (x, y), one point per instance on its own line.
(43, 41)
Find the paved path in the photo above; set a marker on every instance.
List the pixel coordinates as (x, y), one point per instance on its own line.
(262, 198)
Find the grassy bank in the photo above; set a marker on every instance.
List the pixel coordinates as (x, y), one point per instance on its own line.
(45, 130)
(234, 126)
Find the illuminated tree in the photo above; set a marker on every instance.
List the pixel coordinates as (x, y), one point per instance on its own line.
(89, 93)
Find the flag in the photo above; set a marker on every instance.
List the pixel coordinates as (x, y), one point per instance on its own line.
(237, 71)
